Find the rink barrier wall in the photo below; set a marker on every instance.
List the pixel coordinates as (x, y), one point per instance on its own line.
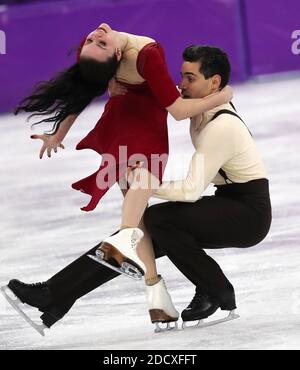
(273, 32)
(40, 35)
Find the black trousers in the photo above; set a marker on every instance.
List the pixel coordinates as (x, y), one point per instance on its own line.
(238, 215)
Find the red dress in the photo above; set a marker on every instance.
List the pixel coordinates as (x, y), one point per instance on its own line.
(134, 123)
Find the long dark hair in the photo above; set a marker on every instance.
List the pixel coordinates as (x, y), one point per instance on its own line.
(70, 91)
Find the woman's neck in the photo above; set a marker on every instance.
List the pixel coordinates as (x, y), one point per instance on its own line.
(123, 39)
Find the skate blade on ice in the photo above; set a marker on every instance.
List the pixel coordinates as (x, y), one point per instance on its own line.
(162, 320)
(201, 324)
(162, 329)
(15, 302)
(126, 268)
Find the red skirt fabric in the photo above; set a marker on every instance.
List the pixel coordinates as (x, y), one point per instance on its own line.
(132, 128)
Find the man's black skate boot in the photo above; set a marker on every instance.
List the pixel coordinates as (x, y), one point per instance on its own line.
(204, 305)
(201, 306)
(227, 299)
(37, 295)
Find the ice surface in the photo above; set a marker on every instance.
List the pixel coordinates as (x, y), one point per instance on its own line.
(42, 229)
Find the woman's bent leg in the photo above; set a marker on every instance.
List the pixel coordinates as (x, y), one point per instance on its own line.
(127, 245)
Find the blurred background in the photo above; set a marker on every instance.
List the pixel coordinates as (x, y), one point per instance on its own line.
(260, 36)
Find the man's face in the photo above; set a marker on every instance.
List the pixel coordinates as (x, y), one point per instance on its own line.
(193, 83)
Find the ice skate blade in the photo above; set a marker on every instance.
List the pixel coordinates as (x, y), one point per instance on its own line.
(159, 329)
(201, 324)
(16, 303)
(126, 269)
(107, 251)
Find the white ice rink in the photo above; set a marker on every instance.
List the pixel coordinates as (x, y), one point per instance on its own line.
(42, 229)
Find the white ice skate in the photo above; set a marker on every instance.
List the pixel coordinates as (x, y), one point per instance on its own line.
(161, 308)
(122, 248)
(16, 303)
(204, 324)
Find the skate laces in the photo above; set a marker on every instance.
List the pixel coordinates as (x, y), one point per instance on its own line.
(36, 285)
(198, 298)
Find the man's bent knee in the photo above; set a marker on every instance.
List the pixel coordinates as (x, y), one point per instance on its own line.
(151, 217)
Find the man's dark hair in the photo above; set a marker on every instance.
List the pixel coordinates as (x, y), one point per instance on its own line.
(214, 61)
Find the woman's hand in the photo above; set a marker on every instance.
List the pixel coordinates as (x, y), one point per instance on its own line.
(223, 96)
(227, 93)
(130, 169)
(115, 88)
(50, 142)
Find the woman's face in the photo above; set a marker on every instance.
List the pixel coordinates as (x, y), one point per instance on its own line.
(100, 44)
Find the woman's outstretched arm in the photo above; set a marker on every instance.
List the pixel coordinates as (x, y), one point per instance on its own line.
(65, 127)
(186, 108)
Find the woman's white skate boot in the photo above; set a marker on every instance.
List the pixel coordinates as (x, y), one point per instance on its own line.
(121, 247)
(161, 308)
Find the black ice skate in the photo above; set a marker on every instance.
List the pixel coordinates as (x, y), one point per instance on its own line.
(36, 295)
(202, 306)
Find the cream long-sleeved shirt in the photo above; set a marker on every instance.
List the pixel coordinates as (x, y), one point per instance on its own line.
(224, 143)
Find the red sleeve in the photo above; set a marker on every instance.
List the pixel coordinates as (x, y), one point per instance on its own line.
(152, 67)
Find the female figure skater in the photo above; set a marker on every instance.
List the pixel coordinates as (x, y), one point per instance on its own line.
(136, 120)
